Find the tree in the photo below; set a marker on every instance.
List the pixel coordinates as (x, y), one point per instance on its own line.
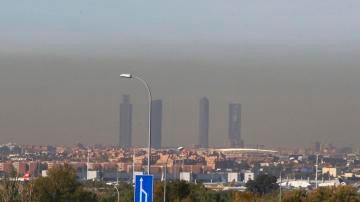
(299, 195)
(158, 191)
(262, 184)
(26, 191)
(60, 185)
(320, 194)
(126, 192)
(178, 190)
(10, 187)
(335, 194)
(345, 194)
(244, 197)
(198, 192)
(184, 191)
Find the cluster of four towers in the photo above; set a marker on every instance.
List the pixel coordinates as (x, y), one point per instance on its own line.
(126, 109)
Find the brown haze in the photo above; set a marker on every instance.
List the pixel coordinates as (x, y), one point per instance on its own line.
(290, 95)
(293, 65)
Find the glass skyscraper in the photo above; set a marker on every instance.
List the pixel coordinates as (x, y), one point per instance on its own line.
(204, 123)
(235, 125)
(125, 122)
(156, 123)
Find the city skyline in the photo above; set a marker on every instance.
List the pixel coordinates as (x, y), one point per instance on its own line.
(126, 109)
(294, 66)
(156, 123)
(180, 100)
(235, 138)
(204, 123)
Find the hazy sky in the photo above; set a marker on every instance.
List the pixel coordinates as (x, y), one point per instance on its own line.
(294, 67)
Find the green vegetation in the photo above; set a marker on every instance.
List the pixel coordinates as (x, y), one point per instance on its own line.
(61, 185)
(263, 184)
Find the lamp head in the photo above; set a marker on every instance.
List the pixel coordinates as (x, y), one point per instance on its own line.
(180, 149)
(129, 76)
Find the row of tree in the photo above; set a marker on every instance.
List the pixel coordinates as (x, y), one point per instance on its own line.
(61, 185)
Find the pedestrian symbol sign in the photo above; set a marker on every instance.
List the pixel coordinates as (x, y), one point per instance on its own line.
(143, 188)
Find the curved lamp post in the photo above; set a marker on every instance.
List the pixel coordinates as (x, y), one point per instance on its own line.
(130, 76)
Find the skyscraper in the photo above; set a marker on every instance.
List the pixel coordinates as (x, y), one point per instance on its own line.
(125, 122)
(204, 123)
(317, 146)
(156, 123)
(235, 125)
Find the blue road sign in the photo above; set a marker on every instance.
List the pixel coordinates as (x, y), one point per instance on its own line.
(144, 188)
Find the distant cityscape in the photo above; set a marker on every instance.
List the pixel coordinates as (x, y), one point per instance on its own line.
(180, 101)
(126, 108)
(206, 165)
(318, 165)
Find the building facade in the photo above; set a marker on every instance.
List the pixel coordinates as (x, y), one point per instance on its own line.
(204, 123)
(235, 125)
(156, 123)
(125, 122)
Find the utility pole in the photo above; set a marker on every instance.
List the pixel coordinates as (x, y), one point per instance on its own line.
(280, 195)
(316, 171)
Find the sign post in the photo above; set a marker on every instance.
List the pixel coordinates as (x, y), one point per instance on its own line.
(144, 188)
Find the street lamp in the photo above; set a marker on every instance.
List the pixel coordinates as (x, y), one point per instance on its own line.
(118, 194)
(130, 76)
(179, 149)
(316, 171)
(280, 187)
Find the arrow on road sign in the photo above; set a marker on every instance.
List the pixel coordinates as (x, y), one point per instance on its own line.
(143, 188)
